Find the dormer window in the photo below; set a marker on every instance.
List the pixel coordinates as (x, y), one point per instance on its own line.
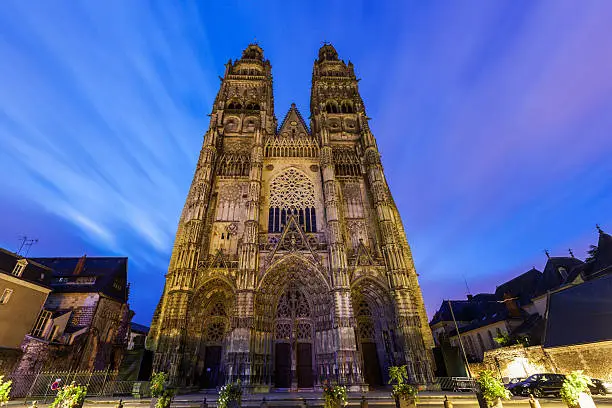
(19, 267)
(563, 272)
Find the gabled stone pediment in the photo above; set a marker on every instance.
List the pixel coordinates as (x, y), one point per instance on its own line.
(362, 256)
(219, 260)
(293, 239)
(293, 125)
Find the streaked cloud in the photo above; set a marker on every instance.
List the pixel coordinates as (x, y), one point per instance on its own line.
(492, 117)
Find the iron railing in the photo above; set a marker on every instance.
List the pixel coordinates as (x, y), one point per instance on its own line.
(99, 383)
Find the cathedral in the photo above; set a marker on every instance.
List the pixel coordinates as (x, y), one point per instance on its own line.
(290, 266)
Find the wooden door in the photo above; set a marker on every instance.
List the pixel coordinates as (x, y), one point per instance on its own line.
(304, 365)
(371, 365)
(282, 365)
(212, 362)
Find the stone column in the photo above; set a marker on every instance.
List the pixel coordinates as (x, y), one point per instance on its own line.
(410, 312)
(239, 349)
(169, 328)
(348, 363)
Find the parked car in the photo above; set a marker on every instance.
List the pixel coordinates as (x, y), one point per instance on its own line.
(600, 387)
(540, 385)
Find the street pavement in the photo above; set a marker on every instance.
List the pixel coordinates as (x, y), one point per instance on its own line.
(375, 399)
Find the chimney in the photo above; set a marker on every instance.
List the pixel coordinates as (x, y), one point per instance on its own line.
(511, 305)
(79, 266)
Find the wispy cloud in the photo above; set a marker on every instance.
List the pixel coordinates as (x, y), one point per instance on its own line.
(493, 120)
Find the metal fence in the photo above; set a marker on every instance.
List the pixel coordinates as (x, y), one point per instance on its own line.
(456, 384)
(99, 383)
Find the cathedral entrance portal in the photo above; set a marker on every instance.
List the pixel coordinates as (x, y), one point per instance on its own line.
(293, 307)
(375, 330)
(293, 340)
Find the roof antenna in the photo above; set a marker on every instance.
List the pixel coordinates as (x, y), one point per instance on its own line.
(599, 228)
(466, 286)
(26, 244)
(571, 253)
(547, 253)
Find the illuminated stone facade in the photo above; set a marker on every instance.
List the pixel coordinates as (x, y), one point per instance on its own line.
(291, 264)
(595, 359)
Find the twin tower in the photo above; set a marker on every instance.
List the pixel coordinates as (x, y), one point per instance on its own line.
(290, 266)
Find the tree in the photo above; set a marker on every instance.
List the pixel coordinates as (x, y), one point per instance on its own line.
(592, 253)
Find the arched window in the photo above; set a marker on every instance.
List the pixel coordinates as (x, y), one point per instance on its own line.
(252, 106)
(470, 346)
(332, 107)
(292, 194)
(250, 124)
(491, 340)
(234, 105)
(231, 124)
(480, 342)
(347, 107)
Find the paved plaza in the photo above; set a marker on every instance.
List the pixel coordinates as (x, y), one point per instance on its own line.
(297, 399)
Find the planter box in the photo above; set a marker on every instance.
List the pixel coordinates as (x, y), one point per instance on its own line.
(405, 403)
(483, 404)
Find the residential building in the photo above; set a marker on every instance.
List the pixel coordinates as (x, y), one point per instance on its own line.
(84, 324)
(24, 287)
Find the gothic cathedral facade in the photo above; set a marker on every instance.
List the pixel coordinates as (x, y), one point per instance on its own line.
(290, 265)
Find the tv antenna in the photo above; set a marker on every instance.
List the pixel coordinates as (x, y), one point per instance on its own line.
(26, 244)
(466, 286)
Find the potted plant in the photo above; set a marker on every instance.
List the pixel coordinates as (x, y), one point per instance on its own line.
(230, 395)
(161, 393)
(70, 396)
(334, 396)
(575, 390)
(490, 390)
(404, 394)
(5, 390)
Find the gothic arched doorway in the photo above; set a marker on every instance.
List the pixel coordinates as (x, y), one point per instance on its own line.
(293, 335)
(376, 337)
(207, 328)
(293, 307)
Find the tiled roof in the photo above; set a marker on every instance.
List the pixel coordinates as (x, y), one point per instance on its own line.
(580, 314)
(139, 328)
(33, 272)
(110, 275)
(465, 310)
(524, 286)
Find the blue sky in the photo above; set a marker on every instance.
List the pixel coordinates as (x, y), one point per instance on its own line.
(493, 118)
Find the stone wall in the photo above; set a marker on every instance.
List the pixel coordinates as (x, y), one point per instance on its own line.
(595, 359)
(8, 360)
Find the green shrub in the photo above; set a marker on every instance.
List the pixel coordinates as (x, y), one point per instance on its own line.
(574, 384)
(5, 390)
(161, 390)
(70, 396)
(491, 388)
(401, 389)
(230, 392)
(334, 396)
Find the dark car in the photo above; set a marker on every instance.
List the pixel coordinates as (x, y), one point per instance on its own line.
(540, 385)
(600, 387)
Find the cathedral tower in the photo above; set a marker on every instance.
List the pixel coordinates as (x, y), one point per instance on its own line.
(290, 265)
